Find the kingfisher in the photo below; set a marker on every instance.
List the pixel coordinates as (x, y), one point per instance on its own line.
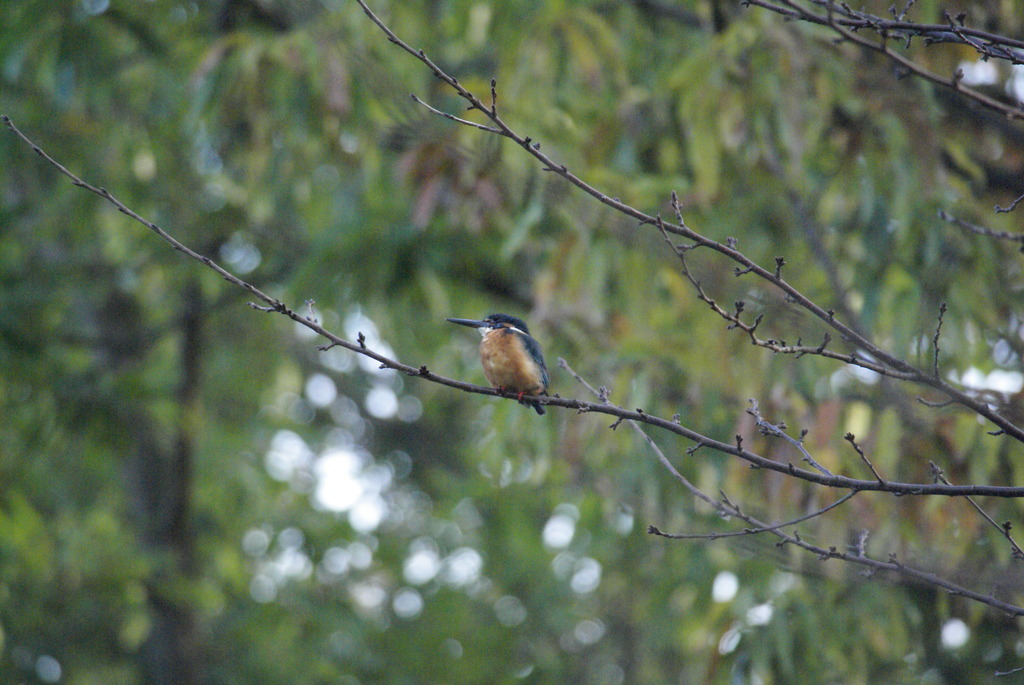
(511, 359)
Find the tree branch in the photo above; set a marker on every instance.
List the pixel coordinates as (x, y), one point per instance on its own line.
(726, 507)
(869, 355)
(981, 230)
(359, 347)
(1004, 528)
(768, 428)
(846, 22)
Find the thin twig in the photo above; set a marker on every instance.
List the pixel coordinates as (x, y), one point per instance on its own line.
(1010, 672)
(850, 438)
(1010, 208)
(981, 230)
(769, 428)
(446, 115)
(935, 338)
(756, 531)
(602, 396)
(1003, 529)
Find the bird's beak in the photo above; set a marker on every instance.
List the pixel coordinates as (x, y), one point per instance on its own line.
(472, 323)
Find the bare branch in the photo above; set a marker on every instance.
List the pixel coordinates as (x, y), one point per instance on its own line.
(674, 426)
(726, 506)
(850, 438)
(1004, 529)
(768, 428)
(753, 531)
(602, 396)
(776, 346)
(1010, 672)
(935, 339)
(274, 304)
(452, 117)
(847, 22)
(981, 230)
(1010, 208)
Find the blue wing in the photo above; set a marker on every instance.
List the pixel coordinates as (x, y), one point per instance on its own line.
(533, 349)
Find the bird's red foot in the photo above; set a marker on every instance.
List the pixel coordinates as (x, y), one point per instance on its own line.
(520, 395)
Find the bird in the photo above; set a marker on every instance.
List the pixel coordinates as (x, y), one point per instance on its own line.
(511, 358)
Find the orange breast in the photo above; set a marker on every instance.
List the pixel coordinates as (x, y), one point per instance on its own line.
(507, 364)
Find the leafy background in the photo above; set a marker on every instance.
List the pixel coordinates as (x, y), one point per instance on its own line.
(193, 493)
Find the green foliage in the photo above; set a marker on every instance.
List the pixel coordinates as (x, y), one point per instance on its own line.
(343, 524)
